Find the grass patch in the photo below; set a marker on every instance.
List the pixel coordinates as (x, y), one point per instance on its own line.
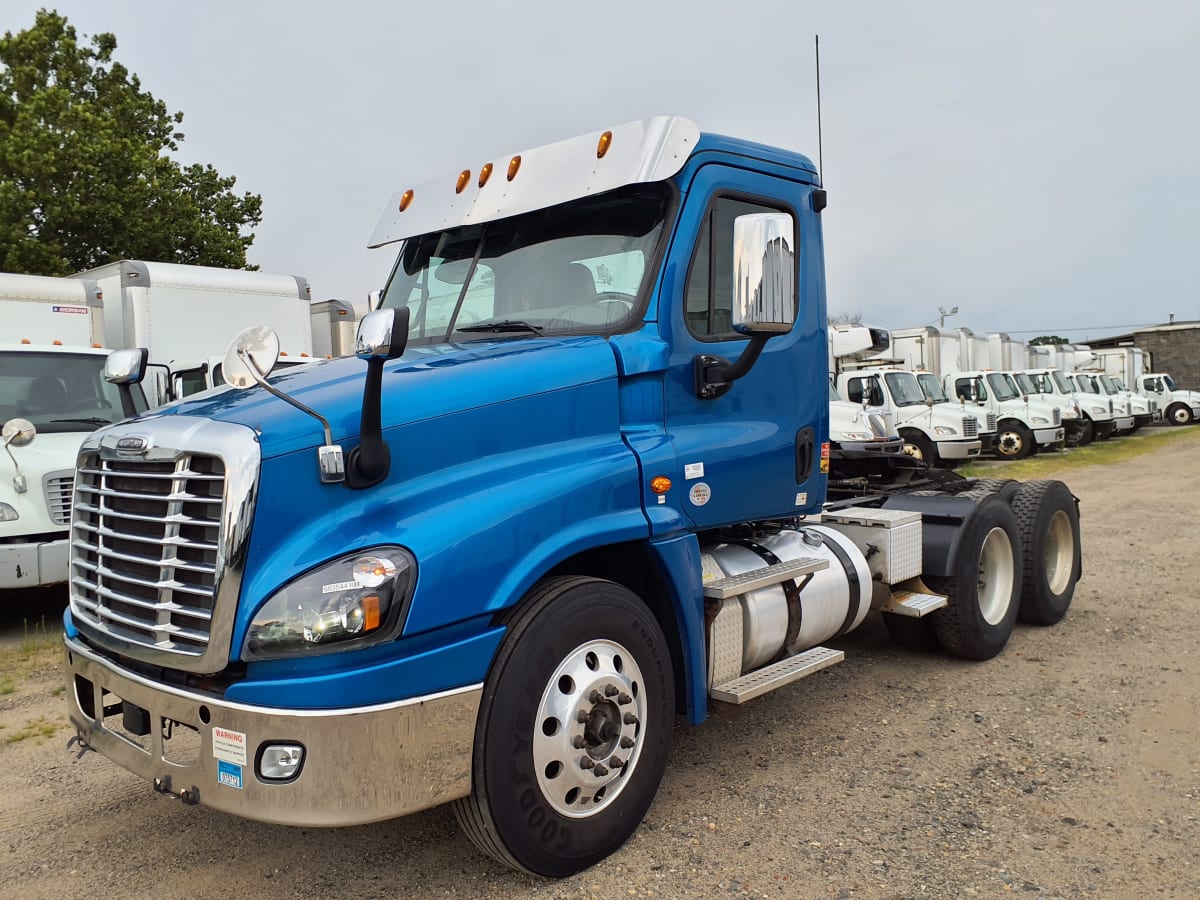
(1098, 453)
(40, 648)
(39, 728)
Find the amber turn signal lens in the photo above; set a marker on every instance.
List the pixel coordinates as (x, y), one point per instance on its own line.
(463, 177)
(513, 165)
(485, 173)
(605, 142)
(660, 484)
(406, 199)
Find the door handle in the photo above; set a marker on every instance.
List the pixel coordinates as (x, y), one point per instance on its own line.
(805, 442)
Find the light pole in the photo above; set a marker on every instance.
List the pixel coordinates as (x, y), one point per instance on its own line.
(944, 313)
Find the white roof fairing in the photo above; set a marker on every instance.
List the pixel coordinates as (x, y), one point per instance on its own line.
(640, 152)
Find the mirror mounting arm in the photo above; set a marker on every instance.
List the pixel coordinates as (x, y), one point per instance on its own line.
(715, 375)
(382, 335)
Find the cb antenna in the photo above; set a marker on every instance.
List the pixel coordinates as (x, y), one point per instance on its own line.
(820, 153)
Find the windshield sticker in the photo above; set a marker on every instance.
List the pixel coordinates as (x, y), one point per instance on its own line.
(692, 471)
(700, 493)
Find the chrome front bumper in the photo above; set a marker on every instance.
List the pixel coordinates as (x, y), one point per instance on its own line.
(360, 765)
(1048, 436)
(958, 449)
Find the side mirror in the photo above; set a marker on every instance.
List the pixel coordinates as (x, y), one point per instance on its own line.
(382, 335)
(125, 368)
(257, 346)
(18, 433)
(764, 273)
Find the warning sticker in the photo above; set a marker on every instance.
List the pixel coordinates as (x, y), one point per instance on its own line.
(693, 470)
(700, 493)
(229, 746)
(229, 775)
(73, 310)
(802, 498)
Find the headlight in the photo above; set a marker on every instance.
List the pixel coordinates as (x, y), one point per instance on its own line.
(943, 429)
(1099, 409)
(1070, 412)
(353, 601)
(1040, 420)
(8, 513)
(855, 435)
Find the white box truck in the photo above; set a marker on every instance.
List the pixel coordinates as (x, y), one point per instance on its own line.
(187, 315)
(1129, 364)
(334, 327)
(52, 395)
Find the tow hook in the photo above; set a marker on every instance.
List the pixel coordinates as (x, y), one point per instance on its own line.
(190, 796)
(84, 748)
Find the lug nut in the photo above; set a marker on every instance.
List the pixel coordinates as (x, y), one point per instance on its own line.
(586, 762)
(581, 717)
(595, 697)
(611, 690)
(600, 770)
(624, 700)
(626, 743)
(578, 742)
(630, 719)
(617, 763)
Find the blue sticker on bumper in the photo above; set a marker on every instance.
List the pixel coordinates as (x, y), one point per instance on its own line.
(229, 774)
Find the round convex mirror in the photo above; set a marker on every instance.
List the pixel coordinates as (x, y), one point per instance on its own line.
(18, 432)
(259, 346)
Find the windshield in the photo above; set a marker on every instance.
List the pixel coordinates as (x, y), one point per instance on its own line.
(1110, 386)
(577, 268)
(60, 392)
(1120, 384)
(932, 388)
(1085, 384)
(1028, 385)
(1169, 382)
(904, 388)
(1001, 386)
(1064, 384)
(833, 394)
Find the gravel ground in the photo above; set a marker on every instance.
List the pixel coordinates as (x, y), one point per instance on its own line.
(1069, 766)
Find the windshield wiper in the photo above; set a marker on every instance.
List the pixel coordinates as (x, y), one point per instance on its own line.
(497, 327)
(93, 420)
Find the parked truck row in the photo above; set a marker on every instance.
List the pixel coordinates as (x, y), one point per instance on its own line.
(572, 484)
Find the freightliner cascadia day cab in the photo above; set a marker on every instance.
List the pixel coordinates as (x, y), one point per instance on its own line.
(52, 389)
(185, 316)
(570, 487)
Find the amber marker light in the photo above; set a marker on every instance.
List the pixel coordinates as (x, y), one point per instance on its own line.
(26, 341)
(605, 143)
(56, 343)
(660, 484)
(463, 177)
(406, 199)
(513, 165)
(485, 173)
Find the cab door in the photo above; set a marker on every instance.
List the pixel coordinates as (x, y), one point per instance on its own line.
(756, 450)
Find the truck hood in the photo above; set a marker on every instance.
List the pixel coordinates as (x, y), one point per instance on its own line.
(425, 383)
(47, 453)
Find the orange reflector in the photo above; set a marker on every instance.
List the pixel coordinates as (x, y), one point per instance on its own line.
(602, 147)
(56, 343)
(406, 199)
(283, 353)
(302, 353)
(96, 346)
(370, 608)
(485, 173)
(513, 165)
(463, 177)
(26, 341)
(342, 312)
(660, 484)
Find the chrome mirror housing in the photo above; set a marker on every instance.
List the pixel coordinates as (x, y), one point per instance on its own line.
(257, 346)
(376, 336)
(126, 366)
(764, 273)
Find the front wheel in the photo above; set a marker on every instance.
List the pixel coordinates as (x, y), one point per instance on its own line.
(919, 447)
(574, 729)
(1014, 440)
(1179, 414)
(1085, 434)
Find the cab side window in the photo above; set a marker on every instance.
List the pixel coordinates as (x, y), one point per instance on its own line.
(708, 294)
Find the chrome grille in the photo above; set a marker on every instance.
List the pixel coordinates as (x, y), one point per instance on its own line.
(1057, 416)
(991, 421)
(58, 487)
(970, 426)
(144, 549)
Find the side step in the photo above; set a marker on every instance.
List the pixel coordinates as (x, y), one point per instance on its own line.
(734, 585)
(760, 681)
(913, 603)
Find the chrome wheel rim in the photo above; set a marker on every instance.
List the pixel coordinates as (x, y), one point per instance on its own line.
(995, 581)
(587, 738)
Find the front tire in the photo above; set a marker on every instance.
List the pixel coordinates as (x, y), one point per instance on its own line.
(1180, 414)
(919, 447)
(984, 586)
(1014, 440)
(574, 729)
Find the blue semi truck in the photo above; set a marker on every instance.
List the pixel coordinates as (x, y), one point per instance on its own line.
(572, 487)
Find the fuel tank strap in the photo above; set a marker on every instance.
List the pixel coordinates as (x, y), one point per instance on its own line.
(855, 601)
(790, 591)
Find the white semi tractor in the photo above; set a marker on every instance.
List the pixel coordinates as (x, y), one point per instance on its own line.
(185, 316)
(1179, 407)
(52, 395)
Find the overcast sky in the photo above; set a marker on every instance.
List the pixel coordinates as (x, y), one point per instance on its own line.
(1031, 163)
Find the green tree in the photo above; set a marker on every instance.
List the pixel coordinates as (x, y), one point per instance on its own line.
(85, 172)
(1049, 339)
